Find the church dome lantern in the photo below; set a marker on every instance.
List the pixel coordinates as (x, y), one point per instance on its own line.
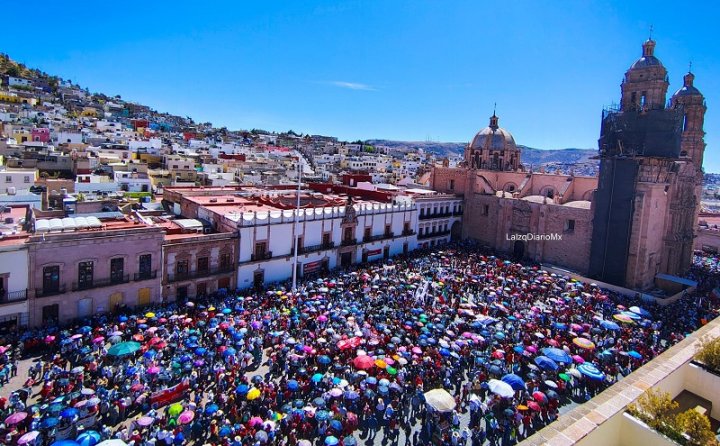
(493, 148)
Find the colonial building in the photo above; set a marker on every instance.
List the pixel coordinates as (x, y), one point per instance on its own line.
(633, 222)
(81, 266)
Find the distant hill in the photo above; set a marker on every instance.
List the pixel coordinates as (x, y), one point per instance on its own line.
(528, 155)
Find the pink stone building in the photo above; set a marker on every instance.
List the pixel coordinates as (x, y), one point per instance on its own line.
(634, 222)
(77, 271)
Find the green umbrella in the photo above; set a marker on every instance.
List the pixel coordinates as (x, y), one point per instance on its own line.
(175, 409)
(123, 348)
(564, 376)
(391, 370)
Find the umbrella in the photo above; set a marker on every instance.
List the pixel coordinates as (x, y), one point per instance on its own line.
(546, 363)
(623, 318)
(293, 384)
(49, 423)
(28, 438)
(145, 421)
(253, 394)
(15, 418)
(539, 397)
(557, 355)
(65, 443)
(551, 384)
(175, 409)
(211, 408)
(591, 371)
(112, 442)
(501, 388)
(88, 438)
(584, 343)
(123, 349)
(609, 325)
(440, 400)
(641, 311)
(186, 417)
(69, 412)
(515, 381)
(634, 354)
(363, 362)
(331, 441)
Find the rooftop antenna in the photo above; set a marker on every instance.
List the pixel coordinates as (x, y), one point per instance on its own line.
(690, 67)
(651, 31)
(494, 107)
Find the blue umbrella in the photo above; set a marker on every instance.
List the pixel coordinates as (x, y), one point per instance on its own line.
(88, 438)
(557, 355)
(226, 311)
(515, 381)
(242, 389)
(65, 443)
(150, 354)
(211, 409)
(200, 351)
(69, 412)
(293, 385)
(225, 431)
(336, 425)
(229, 352)
(322, 415)
(317, 377)
(560, 325)
(591, 371)
(331, 441)
(49, 423)
(500, 335)
(609, 325)
(371, 380)
(324, 359)
(546, 363)
(85, 329)
(518, 349)
(634, 354)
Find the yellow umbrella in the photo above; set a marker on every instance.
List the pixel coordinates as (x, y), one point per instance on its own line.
(151, 314)
(380, 363)
(253, 394)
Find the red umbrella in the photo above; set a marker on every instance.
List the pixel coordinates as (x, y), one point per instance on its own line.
(533, 405)
(539, 397)
(363, 362)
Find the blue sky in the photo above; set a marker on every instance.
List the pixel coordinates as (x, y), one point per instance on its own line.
(411, 70)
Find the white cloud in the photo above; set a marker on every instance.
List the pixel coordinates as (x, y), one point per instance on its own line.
(353, 85)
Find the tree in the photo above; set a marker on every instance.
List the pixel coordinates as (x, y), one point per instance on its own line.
(697, 427)
(655, 407)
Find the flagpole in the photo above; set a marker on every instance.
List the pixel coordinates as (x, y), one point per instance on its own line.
(297, 219)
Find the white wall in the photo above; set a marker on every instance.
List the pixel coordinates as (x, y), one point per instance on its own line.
(14, 262)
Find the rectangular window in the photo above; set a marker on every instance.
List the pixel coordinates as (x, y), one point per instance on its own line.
(51, 279)
(85, 274)
(27, 179)
(117, 270)
(8, 179)
(387, 230)
(145, 267)
(181, 268)
(569, 225)
(348, 235)
(225, 260)
(326, 239)
(203, 264)
(368, 232)
(260, 249)
(452, 185)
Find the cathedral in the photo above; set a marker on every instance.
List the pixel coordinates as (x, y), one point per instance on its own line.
(634, 221)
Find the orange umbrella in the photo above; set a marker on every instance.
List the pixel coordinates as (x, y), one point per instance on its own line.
(584, 343)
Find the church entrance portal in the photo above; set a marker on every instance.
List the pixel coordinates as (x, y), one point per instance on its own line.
(456, 232)
(519, 249)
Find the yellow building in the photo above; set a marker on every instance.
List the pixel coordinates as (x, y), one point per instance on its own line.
(6, 96)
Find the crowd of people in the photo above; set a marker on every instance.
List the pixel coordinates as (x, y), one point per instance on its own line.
(448, 347)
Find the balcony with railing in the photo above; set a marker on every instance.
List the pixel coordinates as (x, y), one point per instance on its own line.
(408, 232)
(458, 213)
(187, 275)
(314, 248)
(349, 242)
(12, 297)
(433, 234)
(373, 238)
(100, 283)
(435, 215)
(54, 291)
(255, 257)
(147, 275)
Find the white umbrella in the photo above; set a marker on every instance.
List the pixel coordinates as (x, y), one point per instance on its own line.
(440, 400)
(501, 388)
(112, 442)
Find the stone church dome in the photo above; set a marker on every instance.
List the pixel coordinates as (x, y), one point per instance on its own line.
(493, 138)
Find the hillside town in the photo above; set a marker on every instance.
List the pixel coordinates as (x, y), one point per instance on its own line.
(168, 282)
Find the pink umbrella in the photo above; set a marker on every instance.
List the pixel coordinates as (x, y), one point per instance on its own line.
(579, 359)
(255, 421)
(145, 421)
(154, 370)
(417, 350)
(28, 438)
(186, 417)
(15, 418)
(76, 336)
(49, 339)
(531, 349)
(4, 348)
(322, 318)
(98, 340)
